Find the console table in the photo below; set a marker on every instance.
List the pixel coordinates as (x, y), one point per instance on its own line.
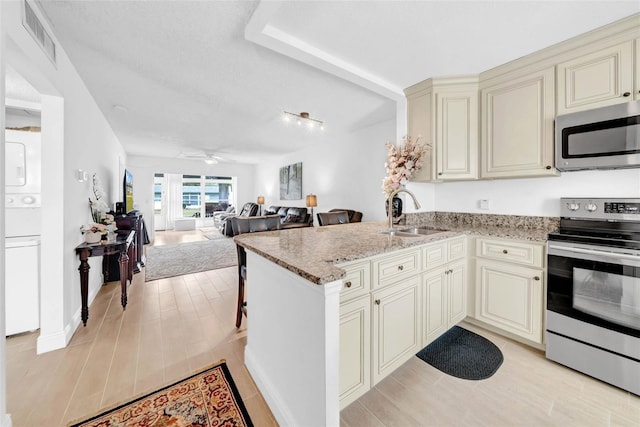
(123, 245)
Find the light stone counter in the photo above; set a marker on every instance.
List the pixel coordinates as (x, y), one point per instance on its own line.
(312, 252)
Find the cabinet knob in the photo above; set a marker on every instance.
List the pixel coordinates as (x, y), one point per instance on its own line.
(626, 94)
(504, 251)
(451, 271)
(536, 278)
(446, 272)
(400, 267)
(439, 173)
(347, 284)
(377, 302)
(547, 167)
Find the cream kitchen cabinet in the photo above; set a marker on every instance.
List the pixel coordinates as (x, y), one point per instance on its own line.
(444, 287)
(599, 78)
(419, 124)
(444, 112)
(355, 349)
(396, 333)
(510, 286)
(517, 125)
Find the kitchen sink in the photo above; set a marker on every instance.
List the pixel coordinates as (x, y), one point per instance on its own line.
(424, 231)
(414, 231)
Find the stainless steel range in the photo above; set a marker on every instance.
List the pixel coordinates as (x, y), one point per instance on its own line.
(593, 290)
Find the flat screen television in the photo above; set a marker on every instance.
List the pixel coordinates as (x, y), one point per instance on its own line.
(127, 191)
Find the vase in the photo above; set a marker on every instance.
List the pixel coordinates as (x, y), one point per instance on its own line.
(92, 237)
(396, 206)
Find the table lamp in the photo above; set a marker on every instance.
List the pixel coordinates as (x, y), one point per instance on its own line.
(312, 202)
(260, 203)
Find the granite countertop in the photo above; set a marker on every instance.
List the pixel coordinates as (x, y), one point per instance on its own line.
(313, 252)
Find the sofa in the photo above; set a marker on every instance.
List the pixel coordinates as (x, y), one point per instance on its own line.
(249, 209)
(290, 217)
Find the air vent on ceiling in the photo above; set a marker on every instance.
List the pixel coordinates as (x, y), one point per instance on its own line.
(35, 27)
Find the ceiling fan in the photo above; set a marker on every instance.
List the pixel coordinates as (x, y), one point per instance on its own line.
(209, 158)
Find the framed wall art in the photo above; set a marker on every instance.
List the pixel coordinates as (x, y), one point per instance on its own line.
(291, 182)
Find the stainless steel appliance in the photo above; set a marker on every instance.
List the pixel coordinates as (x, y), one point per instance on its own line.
(593, 290)
(602, 138)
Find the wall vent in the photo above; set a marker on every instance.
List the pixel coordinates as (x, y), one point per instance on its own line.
(35, 27)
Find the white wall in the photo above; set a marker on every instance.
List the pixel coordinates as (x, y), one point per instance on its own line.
(75, 136)
(534, 196)
(344, 173)
(143, 169)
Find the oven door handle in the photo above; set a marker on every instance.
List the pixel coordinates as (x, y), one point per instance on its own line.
(595, 255)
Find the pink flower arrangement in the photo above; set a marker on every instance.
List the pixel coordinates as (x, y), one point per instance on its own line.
(402, 162)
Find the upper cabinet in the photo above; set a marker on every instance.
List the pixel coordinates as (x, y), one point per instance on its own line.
(517, 125)
(599, 78)
(444, 112)
(499, 124)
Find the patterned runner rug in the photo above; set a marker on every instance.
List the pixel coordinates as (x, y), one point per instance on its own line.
(185, 258)
(207, 398)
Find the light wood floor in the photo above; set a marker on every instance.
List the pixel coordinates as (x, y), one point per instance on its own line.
(174, 326)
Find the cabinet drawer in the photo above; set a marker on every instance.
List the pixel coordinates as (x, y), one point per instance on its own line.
(434, 255)
(440, 253)
(457, 249)
(529, 254)
(357, 280)
(395, 267)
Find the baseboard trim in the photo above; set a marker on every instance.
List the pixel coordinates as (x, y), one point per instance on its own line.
(5, 420)
(275, 402)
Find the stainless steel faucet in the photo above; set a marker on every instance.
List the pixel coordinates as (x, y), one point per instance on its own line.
(390, 204)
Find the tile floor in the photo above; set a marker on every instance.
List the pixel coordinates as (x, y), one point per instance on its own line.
(174, 326)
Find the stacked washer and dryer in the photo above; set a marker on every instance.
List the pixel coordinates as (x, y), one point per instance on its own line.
(22, 229)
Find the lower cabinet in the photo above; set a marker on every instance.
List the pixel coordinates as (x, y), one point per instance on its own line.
(355, 349)
(510, 297)
(396, 326)
(444, 293)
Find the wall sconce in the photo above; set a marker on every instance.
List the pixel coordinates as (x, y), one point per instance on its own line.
(81, 175)
(260, 203)
(312, 202)
(303, 118)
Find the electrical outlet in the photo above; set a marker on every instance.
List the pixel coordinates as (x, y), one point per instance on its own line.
(484, 204)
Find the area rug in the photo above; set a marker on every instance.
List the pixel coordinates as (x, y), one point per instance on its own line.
(463, 354)
(207, 398)
(185, 258)
(215, 236)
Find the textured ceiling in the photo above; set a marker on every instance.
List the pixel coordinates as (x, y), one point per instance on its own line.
(176, 76)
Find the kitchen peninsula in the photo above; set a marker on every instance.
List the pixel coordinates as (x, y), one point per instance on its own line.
(295, 282)
(293, 289)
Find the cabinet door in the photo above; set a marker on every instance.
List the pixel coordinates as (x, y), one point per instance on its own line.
(517, 126)
(457, 135)
(636, 85)
(434, 294)
(419, 117)
(510, 298)
(355, 349)
(596, 79)
(396, 326)
(457, 286)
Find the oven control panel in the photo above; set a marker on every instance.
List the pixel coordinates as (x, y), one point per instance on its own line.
(600, 208)
(622, 208)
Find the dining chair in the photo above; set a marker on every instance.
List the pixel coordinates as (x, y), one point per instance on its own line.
(333, 218)
(241, 225)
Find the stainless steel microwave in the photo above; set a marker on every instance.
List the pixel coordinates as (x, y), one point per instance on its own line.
(602, 138)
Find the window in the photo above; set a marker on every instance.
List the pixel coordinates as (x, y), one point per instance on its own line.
(204, 195)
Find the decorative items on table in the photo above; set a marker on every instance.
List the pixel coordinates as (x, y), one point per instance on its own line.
(103, 226)
(403, 161)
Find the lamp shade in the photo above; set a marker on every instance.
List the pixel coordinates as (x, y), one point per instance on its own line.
(312, 201)
(260, 200)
